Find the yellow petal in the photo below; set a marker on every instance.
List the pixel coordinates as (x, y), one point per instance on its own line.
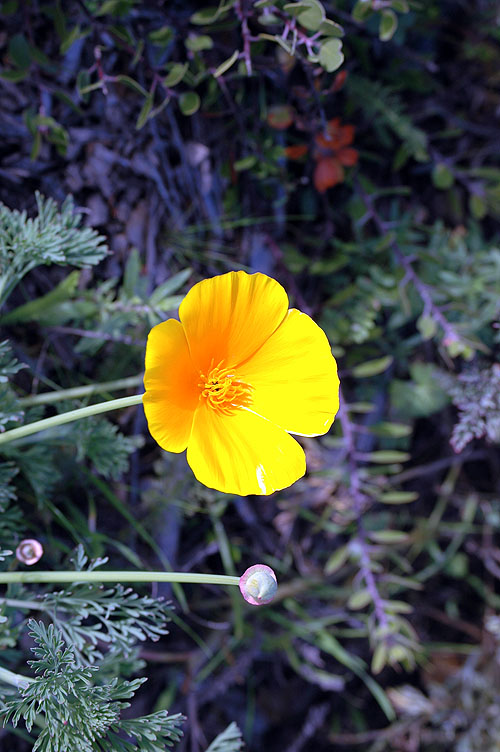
(243, 453)
(172, 394)
(294, 377)
(227, 318)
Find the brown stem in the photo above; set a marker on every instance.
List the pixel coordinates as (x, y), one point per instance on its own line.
(245, 32)
(359, 501)
(421, 287)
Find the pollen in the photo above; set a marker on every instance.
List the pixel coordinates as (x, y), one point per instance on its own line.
(223, 391)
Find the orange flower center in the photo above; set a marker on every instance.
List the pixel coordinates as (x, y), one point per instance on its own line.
(223, 390)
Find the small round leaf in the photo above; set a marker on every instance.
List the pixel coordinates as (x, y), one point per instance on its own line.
(189, 102)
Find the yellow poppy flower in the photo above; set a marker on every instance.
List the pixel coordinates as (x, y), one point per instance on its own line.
(233, 378)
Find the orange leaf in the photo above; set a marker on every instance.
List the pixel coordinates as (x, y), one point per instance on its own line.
(346, 136)
(328, 172)
(280, 117)
(332, 138)
(347, 156)
(296, 152)
(339, 80)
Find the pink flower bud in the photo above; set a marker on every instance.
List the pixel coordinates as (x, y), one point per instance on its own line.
(258, 585)
(29, 551)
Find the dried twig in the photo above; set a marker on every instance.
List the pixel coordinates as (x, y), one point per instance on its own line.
(360, 499)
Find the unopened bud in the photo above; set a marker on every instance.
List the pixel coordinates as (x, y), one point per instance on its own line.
(29, 551)
(258, 585)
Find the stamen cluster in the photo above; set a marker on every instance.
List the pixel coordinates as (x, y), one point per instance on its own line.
(223, 390)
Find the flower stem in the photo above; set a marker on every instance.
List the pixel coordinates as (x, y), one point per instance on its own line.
(16, 680)
(26, 605)
(69, 417)
(117, 576)
(46, 398)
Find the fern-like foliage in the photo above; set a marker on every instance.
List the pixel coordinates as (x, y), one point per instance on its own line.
(78, 715)
(52, 237)
(228, 741)
(7, 493)
(38, 467)
(10, 516)
(90, 615)
(96, 440)
(10, 410)
(104, 445)
(386, 107)
(9, 630)
(476, 394)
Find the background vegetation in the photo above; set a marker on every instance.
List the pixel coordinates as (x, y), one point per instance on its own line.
(349, 149)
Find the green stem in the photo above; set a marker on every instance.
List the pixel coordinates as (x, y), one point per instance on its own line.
(26, 605)
(69, 417)
(119, 576)
(16, 680)
(77, 392)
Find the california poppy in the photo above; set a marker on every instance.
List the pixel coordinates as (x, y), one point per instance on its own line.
(233, 378)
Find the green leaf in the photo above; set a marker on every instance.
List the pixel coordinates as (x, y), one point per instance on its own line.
(337, 560)
(421, 396)
(197, 43)
(331, 56)
(245, 164)
(331, 29)
(477, 206)
(42, 309)
(398, 497)
(398, 607)
(165, 290)
(131, 275)
(360, 599)
(309, 13)
(162, 36)
(175, 74)
(388, 536)
(71, 37)
(387, 456)
(361, 407)
(189, 103)
(379, 660)
(442, 176)
(362, 10)
(19, 51)
(9, 7)
(90, 87)
(372, 367)
(223, 67)
(210, 14)
(270, 19)
(313, 17)
(229, 740)
(131, 83)
(391, 430)
(277, 38)
(145, 112)
(388, 25)
(115, 8)
(427, 326)
(82, 81)
(14, 75)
